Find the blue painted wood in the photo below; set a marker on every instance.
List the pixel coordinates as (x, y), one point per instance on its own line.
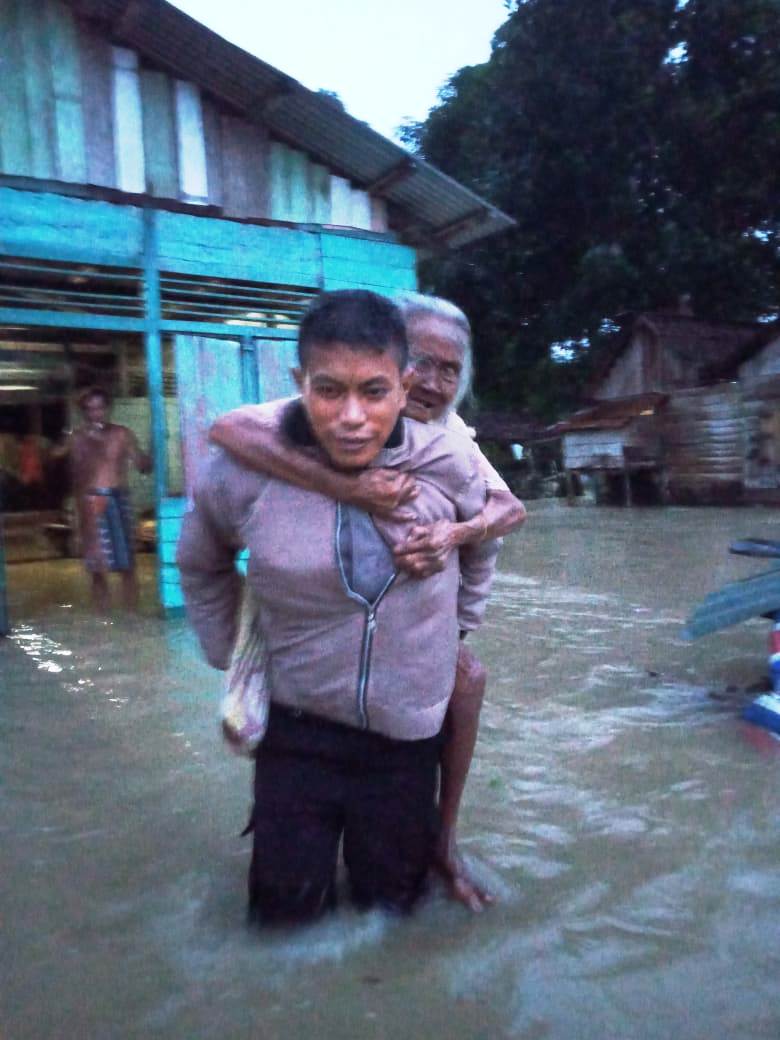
(250, 388)
(172, 508)
(59, 319)
(58, 227)
(204, 328)
(227, 249)
(209, 382)
(350, 262)
(275, 362)
(154, 358)
(154, 375)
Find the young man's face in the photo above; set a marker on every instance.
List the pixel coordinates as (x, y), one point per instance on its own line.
(353, 400)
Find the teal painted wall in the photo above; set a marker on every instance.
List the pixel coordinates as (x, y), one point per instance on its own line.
(47, 226)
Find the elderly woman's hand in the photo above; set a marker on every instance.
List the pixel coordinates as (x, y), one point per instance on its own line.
(426, 548)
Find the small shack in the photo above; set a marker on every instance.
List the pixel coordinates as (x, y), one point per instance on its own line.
(169, 204)
(668, 410)
(758, 372)
(617, 442)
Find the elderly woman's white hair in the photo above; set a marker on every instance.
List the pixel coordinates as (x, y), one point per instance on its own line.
(417, 305)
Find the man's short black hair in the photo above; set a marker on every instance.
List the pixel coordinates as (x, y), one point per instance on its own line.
(357, 318)
(93, 391)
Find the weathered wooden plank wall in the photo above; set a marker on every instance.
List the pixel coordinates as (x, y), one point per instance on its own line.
(15, 148)
(244, 168)
(159, 132)
(594, 449)
(55, 227)
(97, 90)
(38, 89)
(703, 432)
(78, 110)
(761, 409)
(65, 56)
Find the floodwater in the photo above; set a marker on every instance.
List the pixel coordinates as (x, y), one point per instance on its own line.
(626, 818)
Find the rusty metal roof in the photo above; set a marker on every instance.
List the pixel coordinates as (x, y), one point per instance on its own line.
(613, 414)
(433, 208)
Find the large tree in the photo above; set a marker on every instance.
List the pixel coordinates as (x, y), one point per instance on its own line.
(636, 143)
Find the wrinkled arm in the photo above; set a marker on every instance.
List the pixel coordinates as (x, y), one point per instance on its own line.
(427, 546)
(477, 567)
(255, 440)
(206, 558)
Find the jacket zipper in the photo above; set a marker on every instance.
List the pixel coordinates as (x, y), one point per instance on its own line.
(369, 628)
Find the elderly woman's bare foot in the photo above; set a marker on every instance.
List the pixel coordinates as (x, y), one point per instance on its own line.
(460, 884)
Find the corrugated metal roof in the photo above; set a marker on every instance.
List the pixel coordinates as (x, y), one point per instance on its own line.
(439, 209)
(611, 415)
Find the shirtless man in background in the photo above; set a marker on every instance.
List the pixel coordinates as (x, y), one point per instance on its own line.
(100, 453)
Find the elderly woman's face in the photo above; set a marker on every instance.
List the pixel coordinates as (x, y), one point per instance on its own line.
(435, 365)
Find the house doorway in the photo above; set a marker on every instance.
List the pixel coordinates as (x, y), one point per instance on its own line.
(42, 373)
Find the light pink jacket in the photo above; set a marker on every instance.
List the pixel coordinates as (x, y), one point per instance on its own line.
(388, 666)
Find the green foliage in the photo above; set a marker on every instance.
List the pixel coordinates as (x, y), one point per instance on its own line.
(636, 143)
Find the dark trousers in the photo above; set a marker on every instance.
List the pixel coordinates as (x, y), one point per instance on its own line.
(317, 782)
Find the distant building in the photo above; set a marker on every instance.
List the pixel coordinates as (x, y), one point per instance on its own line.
(169, 205)
(672, 409)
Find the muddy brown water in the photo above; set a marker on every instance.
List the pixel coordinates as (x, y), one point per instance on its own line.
(628, 822)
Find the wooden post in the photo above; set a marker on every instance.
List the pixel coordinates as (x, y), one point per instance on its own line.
(123, 373)
(571, 498)
(250, 389)
(154, 373)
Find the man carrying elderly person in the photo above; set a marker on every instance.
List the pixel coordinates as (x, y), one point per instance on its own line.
(439, 372)
(361, 656)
